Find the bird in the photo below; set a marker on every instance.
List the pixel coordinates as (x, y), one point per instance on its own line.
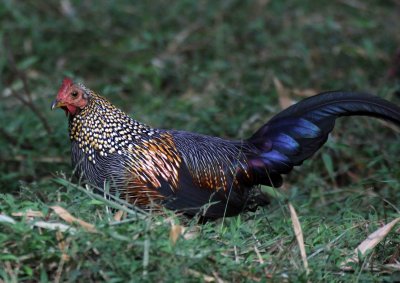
(196, 174)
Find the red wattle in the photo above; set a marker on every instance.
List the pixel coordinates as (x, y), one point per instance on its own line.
(72, 109)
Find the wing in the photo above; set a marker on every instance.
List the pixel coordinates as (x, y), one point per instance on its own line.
(212, 178)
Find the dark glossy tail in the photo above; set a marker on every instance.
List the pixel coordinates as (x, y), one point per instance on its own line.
(299, 131)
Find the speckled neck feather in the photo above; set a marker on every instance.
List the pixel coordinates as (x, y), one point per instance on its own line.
(102, 127)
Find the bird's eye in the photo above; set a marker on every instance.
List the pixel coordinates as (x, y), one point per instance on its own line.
(74, 94)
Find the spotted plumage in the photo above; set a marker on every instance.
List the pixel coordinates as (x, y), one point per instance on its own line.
(101, 127)
(194, 173)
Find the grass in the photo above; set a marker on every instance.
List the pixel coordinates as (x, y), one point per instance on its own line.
(205, 66)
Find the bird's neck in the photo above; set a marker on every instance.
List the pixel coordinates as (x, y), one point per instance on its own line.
(101, 128)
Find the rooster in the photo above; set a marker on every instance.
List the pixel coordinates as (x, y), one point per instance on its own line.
(194, 173)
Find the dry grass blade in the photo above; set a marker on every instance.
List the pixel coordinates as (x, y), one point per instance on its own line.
(217, 277)
(54, 226)
(299, 236)
(390, 126)
(118, 215)
(284, 99)
(6, 219)
(372, 240)
(63, 245)
(304, 92)
(28, 214)
(175, 232)
(64, 214)
(191, 233)
(203, 277)
(392, 267)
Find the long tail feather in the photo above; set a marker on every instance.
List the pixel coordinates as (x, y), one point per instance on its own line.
(299, 131)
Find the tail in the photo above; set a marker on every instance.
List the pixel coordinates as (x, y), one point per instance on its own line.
(299, 131)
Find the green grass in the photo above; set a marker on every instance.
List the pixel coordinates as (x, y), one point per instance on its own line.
(205, 66)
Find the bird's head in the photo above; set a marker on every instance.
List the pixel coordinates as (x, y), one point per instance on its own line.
(71, 97)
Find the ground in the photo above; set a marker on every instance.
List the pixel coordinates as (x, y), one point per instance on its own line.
(214, 67)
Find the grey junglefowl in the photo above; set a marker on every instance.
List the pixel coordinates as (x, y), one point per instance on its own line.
(194, 173)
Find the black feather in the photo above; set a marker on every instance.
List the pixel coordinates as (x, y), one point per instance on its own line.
(299, 131)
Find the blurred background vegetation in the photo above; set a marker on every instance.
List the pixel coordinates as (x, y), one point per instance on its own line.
(210, 67)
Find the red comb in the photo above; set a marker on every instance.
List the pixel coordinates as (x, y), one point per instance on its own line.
(66, 83)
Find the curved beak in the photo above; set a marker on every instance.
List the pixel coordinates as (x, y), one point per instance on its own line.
(56, 104)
